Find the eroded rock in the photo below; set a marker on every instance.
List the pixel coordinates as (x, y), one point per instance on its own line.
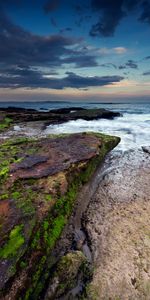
(39, 182)
(57, 116)
(118, 225)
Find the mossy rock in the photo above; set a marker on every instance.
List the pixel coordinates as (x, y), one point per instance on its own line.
(37, 198)
(65, 276)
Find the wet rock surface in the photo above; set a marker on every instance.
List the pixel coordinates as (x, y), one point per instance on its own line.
(39, 182)
(66, 276)
(56, 155)
(118, 225)
(57, 116)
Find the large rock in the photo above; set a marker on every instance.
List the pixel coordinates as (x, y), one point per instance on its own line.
(39, 181)
(57, 116)
(118, 226)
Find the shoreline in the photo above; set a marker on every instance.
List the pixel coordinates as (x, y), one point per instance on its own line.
(108, 195)
(132, 126)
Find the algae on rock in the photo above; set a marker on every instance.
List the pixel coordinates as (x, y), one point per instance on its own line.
(38, 193)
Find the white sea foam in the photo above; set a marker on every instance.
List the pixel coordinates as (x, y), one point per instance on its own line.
(134, 129)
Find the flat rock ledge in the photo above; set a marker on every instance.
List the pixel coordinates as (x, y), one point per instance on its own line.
(39, 182)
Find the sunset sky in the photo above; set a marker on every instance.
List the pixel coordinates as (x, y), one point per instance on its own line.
(94, 50)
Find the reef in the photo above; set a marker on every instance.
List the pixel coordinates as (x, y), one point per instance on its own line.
(14, 115)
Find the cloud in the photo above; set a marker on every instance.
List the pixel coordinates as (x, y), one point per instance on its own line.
(115, 50)
(24, 48)
(31, 61)
(64, 30)
(112, 12)
(107, 13)
(120, 50)
(146, 73)
(53, 22)
(132, 64)
(145, 16)
(129, 64)
(21, 47)
(147, 57)
(51, 5)
(20, 77)
(81, 61)
(109, 65)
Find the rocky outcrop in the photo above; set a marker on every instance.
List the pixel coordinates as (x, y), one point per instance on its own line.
(118, 226)
(39, 182)
(56, 116)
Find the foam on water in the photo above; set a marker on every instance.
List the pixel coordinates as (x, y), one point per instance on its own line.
(133, 128)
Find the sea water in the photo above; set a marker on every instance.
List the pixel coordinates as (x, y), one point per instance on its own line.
(133, 127)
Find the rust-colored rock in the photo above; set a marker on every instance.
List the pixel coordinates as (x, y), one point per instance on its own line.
(39, 182)
(56, 155)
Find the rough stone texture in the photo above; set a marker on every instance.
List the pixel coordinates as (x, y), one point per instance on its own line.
(57, 116)
(57, 155)
(146, 149)
(65, 276)
(118, 225)
(39, 181)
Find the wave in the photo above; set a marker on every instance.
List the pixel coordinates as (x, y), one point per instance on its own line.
(133, 129)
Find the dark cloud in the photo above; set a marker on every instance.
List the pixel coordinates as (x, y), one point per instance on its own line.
(26, 60)
(81, 61)
(145, 16)
(29, 78)
(53, 22)
(147, 57)
(108, 13)
(109, 65)
(146, 73)
(132, 64)
(64, 30)
(79, 8)
(129, 64)
(51, 5)
(21, 47)
(112, 12)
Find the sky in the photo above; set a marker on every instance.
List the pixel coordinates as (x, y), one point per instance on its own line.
(83, 50)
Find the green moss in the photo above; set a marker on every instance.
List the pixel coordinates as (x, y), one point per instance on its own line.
(35, 280)
(64, 205)
(66, 274)
(16, 195)
(8, 120)
(8, 155)
(23, 197)
(48, 197)
(4, 172)
(4, 196)
(23, 264)
(35, 242)
(5, 124)
(45, 225)
(44, 235)
(16, 240)
(56, 230)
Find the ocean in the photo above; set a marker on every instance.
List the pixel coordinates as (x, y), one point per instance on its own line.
(133, 127)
